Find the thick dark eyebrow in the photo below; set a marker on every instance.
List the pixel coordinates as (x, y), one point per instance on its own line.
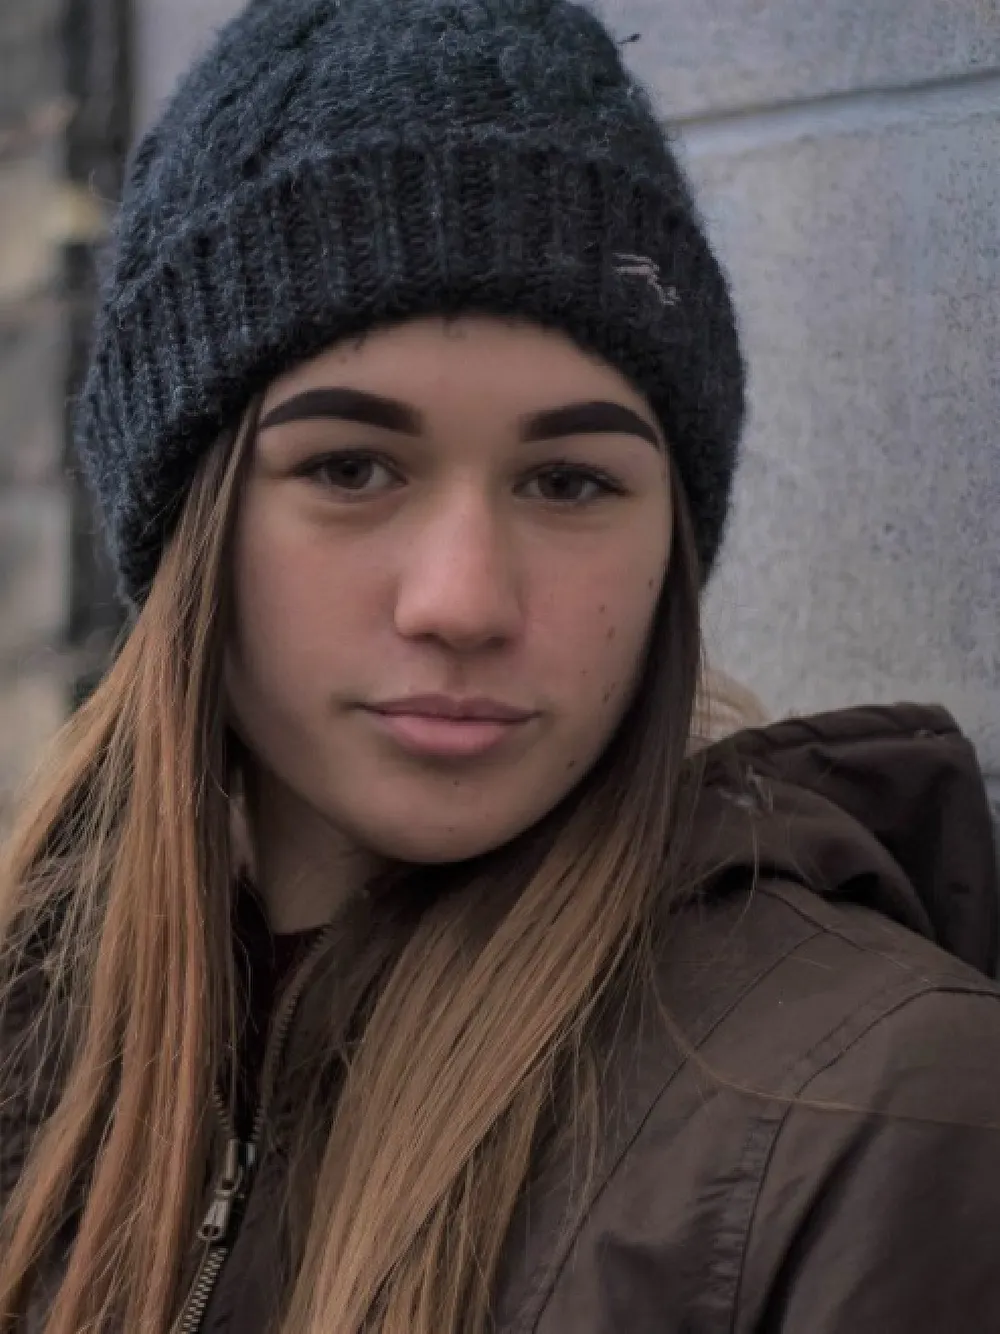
(597, 418)
(350, 405)
(600, 417)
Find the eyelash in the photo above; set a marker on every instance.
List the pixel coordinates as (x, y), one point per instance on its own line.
(313, 470)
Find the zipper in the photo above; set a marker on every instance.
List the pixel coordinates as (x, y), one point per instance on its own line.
(240, 1157)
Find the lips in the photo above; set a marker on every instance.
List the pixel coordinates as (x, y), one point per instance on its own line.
(458, 710)
(443, 727)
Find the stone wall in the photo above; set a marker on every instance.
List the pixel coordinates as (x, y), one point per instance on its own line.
(64, 124)
(34, 517)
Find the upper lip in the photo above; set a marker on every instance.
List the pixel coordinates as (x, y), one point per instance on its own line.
(478, 709)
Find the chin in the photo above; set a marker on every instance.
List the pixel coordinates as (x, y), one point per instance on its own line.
(429, 848)
(425, 841)
(427, 825)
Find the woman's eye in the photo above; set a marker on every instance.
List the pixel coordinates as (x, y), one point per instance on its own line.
(569, 485)
(361, 474)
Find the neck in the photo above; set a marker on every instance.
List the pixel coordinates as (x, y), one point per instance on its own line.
(304, 869)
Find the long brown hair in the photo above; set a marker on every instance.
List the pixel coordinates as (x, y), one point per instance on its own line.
(117, 881)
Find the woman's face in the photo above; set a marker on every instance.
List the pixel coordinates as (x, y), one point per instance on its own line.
(449, 551)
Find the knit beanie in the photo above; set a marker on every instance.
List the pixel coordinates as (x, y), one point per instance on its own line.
(330, 166)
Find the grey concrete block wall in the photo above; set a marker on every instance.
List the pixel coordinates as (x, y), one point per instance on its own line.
(716, 57)
(848, 158)
(864, 560)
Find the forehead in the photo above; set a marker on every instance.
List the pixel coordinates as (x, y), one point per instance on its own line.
(473, 363)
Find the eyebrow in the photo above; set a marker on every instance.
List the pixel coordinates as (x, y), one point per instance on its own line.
(599, 417)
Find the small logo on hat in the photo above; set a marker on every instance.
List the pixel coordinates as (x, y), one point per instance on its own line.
(641, 266)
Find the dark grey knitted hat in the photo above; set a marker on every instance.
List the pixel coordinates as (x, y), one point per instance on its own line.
(334, 164)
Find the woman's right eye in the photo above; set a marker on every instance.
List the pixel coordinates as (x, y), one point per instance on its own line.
(357, 473)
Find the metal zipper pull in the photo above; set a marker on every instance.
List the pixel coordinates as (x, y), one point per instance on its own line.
(234, 1182)
(237, 1164)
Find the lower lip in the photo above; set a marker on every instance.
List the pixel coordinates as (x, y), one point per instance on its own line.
(444, 738)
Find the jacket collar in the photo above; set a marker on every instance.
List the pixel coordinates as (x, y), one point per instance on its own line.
(881, 806)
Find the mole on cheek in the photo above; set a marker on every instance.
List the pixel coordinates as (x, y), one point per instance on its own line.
(611, 633)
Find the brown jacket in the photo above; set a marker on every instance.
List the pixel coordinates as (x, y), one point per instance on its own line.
(828, 1161)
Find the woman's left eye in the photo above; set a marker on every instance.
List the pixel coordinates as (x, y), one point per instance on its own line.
(569, 484)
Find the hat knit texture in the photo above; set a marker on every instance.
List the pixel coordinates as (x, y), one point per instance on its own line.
(329, 166)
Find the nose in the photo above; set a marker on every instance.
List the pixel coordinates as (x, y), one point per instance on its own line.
(458, 583)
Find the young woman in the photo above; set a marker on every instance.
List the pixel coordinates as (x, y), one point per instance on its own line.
(383, 947)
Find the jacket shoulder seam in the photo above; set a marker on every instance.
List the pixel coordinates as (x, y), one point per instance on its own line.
(888, 1003)
(952, 975)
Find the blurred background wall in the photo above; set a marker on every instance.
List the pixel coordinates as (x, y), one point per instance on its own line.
(848, 158)
(33, 521)
(65, 122)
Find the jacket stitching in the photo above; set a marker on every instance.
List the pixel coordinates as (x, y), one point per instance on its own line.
(778, 889)
(737, 1213)
(877, 1012)
(801, 1072)
(547, 1275)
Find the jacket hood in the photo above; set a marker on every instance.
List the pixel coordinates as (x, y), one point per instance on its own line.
(883, 807)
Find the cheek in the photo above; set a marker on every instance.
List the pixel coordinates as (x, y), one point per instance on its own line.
(290, 607)
(595, 622)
